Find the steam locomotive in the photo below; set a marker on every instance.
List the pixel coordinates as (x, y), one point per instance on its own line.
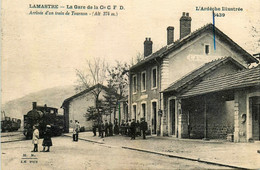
(10, 124)
(42, 116)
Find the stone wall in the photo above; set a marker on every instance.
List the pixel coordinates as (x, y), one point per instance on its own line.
(219, 113)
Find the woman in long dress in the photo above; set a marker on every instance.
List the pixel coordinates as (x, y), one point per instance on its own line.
(47, 139)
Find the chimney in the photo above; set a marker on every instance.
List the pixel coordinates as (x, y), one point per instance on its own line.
(185, 25)
(148, 47)
(170, 35)
(34, 104)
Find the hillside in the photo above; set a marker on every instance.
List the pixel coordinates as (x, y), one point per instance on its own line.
(53, 97)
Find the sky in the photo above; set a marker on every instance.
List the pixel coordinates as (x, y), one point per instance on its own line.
(41, 51)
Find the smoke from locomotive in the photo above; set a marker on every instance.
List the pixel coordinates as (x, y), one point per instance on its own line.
(42, 116)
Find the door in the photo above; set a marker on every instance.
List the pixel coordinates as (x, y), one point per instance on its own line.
(256, 117)
(154, 120)
(172, 116)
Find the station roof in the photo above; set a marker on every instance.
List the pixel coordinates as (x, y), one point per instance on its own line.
(240, 79)
(164, 51)
(66, 101)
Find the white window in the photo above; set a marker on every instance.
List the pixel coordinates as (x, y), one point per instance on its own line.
(154, 77)
(206, 49)
(134, 85)
(143, 81)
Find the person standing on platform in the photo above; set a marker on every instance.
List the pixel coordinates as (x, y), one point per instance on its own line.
(77, 129)
(99, 129)
(133, 129)
(47, 139)
(138, 131)
(143, 127)
(102, 129)
(110, 127)
(74, 131)
(106, 128)
(35, 138)
(127, 128)
(94, 129)
(116, 128)
(122, 128)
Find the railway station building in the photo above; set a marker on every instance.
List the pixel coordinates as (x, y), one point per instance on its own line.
(157, 83)
(75, 107)
(215, 107)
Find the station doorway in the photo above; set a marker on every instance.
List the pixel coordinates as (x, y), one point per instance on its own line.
(255, 108)
(172, 116)
(154, 117)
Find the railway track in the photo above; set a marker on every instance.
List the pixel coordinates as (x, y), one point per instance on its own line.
(13, 141)
(12, 137)
(4, 136)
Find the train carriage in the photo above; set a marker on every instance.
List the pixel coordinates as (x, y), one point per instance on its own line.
(9, 124)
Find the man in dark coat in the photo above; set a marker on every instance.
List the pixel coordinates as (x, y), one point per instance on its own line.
(132, 129)
(143, 126)
(122, 128)
(127, 129)
(116, 128)
(102, 129)
(110, 127)
(94, 129)
(106, 128)
(138, 131)
(99, 129)
(47, 139)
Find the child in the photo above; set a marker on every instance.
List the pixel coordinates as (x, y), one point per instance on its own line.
(35, 138)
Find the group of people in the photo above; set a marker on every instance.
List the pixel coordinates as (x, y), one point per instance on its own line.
(47, 142)
(103, 128)
(132, 128)
(138, 129)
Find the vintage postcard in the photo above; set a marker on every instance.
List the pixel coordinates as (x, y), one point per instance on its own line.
(128, 84)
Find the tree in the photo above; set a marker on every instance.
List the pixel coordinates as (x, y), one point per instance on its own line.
(117, 83)
(253, 44)
(139, 57)
(92, 113)
(111, 99)
(118, 78)
(95, 75)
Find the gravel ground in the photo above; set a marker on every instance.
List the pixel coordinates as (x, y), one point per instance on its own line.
(66, 154)
(229, 153)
